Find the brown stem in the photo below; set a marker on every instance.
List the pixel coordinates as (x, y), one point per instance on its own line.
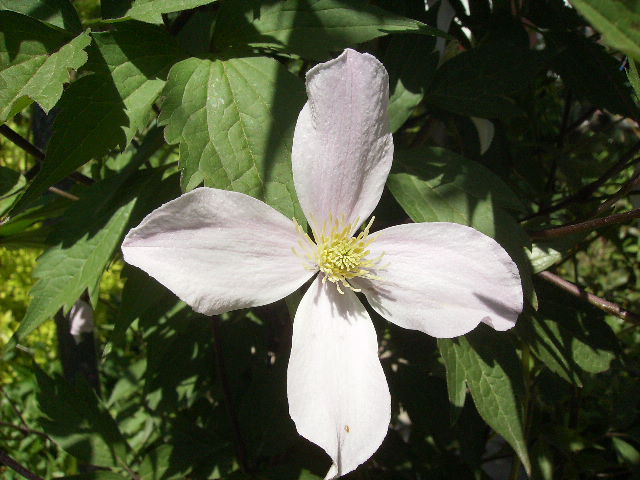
(601, 303)
(587, 226)
(17, 467)
(14, 408)
(241, 451)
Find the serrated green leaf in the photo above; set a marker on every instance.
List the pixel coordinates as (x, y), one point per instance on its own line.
(310, 28)
(411, 62)
(480, 81)
(437, 185)
(492, 371)
(617, 21)
(35, 60)
(152, 10)
(103, 111)
(74, 418)
(60, 13)
(234, 122)
(585, 67)
(86, 238)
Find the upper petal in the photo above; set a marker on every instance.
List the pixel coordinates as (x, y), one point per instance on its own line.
(218, 250)
(342, 146)
(338, 394)
(443, 279)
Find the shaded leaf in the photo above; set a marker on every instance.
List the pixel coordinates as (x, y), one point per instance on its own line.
(310, 28)
(88, 235)
(103, 111)
(569, 335)
(10, 183)
(60, 13)
(492, 371)
(35, 60)
(74, 418)
(411, 62)
(585, 67)
(152, 10)
(480, 81)
(234, 122)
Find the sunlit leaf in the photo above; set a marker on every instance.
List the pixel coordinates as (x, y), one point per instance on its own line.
(234, 122)
(35, 60)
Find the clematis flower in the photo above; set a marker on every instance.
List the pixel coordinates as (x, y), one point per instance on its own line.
(220, 250)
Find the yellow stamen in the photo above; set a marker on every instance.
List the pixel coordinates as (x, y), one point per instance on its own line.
(341, 257)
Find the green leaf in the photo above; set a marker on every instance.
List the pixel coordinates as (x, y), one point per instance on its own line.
(479, 82)
(456, 384)
(35, 60)
(234, 122)
(60, 13)
(74, 418)
(411, 62)
(492, 370)
(452, 184)
(103, 111)
(152, 10)
(85, 241)
(98, 475)
(310, 28)
(585, 67)
(437, 185)
(10, 184)
(634, 78)
(569, 334)
(617, 20)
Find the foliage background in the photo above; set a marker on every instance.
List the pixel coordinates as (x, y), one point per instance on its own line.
(523, 118)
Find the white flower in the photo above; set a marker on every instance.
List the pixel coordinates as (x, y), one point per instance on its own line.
(221, 250)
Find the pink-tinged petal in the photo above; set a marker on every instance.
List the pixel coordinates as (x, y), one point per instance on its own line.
(338, 394)
(218, 250)
(342, 146)
(443, 279)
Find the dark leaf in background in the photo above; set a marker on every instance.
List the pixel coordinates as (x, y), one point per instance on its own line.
(310, 28)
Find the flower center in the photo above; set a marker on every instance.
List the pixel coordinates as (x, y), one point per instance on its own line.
(342, 257)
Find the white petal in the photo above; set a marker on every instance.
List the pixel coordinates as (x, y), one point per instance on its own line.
(218, 250)
(443, 279)
(338, 394)
(80, 318)
(342, 147)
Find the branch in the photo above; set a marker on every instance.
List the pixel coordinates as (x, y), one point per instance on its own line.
(241, 451)
(30, 148)
(601, 303)
(587, 226)
(12, 464)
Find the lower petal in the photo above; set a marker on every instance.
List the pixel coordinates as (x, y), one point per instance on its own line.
(338, 394)
(443, 279)
(219, 250)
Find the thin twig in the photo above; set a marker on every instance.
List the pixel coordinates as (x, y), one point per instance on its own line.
(631, 184)
(587, 226)
(30, 148)
(241, 451)
(21, 469)
(601, 303)
(25, 430)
